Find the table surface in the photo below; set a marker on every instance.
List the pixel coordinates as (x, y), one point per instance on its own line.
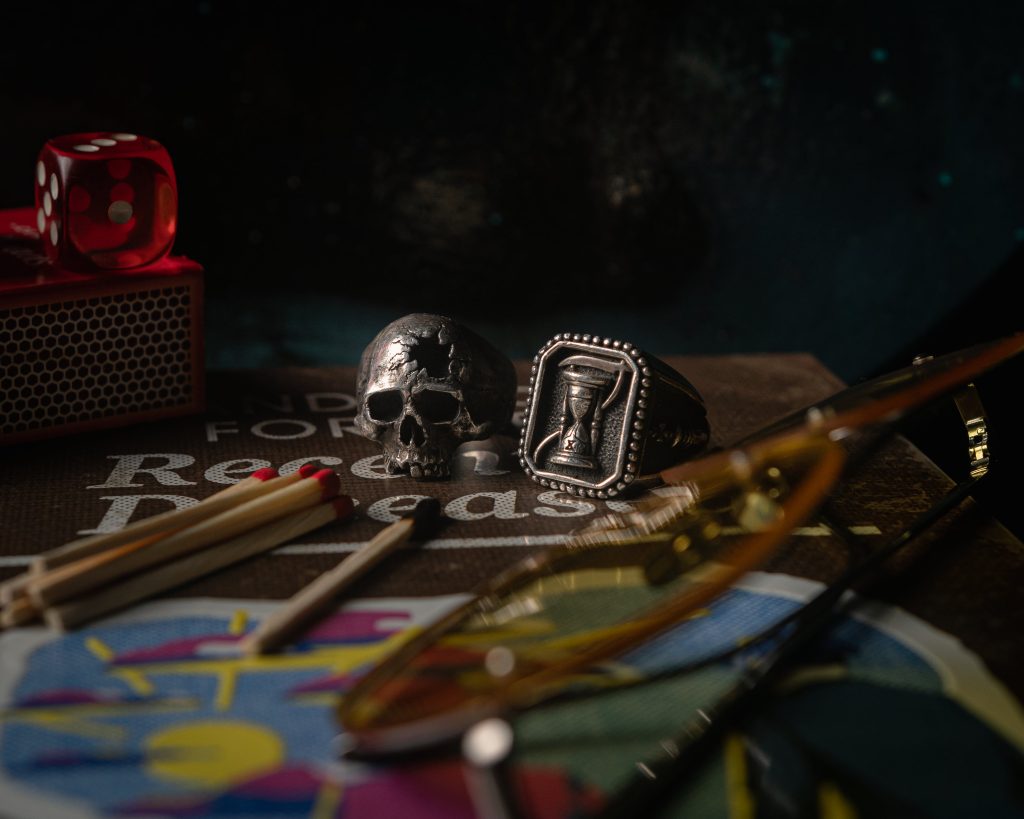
(960, 582)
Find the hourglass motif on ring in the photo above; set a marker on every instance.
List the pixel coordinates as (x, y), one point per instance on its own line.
(591, 411)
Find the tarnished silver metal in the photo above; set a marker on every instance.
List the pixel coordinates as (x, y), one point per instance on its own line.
(425, 385)
(601, 415)
(972, 411)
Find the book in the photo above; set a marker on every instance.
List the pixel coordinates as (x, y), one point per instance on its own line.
(963, 577)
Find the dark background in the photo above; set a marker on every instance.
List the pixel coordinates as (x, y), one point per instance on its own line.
(697, 177)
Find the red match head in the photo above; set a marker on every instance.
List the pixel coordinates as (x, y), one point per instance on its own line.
(343, 507)
(330, 482)
(264, 474)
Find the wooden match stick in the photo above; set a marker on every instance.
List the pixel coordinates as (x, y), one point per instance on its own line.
(18, 612)
(318, 596)
(259, 483)
(13, 588)
(14, 592)
(20, 609)
(197, 564)
(25, 609)
(90, 573)
(17, 587)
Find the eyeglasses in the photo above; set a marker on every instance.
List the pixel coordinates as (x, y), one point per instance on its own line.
(573, 621)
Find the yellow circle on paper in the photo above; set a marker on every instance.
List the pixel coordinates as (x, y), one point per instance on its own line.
(213, 753)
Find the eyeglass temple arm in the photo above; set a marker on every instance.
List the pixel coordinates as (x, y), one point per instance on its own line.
(975, 419)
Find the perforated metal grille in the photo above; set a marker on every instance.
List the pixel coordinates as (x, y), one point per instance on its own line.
(69, 362)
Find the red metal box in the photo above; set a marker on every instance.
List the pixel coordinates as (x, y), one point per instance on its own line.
(89, 351)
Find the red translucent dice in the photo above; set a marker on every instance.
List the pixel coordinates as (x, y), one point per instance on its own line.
(105, 201)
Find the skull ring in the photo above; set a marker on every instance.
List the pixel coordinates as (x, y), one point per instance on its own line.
(426, 384)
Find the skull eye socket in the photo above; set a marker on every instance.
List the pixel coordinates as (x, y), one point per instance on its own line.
(385, 406)
(436, 407)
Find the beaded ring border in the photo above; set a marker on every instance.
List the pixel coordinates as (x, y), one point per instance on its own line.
(660, 417)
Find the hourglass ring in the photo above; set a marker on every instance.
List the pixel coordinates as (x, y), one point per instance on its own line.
(602, 415)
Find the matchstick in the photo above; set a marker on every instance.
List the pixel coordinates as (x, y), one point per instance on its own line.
(18, 612)
(14, 592)
(90, 573)
(319, 595)
(258, 483)
(197, 564)
(15, 587)
(25, 609)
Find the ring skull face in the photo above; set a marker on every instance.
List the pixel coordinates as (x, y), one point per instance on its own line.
(427, 384)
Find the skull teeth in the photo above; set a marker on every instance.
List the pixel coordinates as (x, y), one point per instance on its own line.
(422, 466)
(429, 470)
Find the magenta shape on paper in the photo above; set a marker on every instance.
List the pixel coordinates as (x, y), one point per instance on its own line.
(331, 683)
(356, 627)
(340, 629)
(64, 696)
(286, 791)
(187, 649)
